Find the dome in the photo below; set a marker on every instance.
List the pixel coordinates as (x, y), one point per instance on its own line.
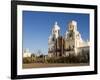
(73, 22)
(56, 27)
(72, 25)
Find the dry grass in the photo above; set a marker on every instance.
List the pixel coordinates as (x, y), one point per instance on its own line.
(44, 65)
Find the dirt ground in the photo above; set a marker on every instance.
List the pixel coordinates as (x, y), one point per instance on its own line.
(44, 65)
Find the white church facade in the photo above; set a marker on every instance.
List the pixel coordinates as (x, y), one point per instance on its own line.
(69, 44)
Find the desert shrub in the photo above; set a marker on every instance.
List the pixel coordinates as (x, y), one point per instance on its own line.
(27, 60)
(81, 58)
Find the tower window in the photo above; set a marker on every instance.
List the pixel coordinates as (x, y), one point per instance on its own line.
(53, 39)
(73, 46)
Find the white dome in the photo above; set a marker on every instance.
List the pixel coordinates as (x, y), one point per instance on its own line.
(56, 27)
(73, 22)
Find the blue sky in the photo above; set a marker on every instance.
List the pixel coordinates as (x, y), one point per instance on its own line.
(37, 27)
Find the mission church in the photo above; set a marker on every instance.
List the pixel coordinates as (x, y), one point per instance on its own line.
(69, 44)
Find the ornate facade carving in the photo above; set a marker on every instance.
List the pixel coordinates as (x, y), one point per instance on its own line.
(70, 43)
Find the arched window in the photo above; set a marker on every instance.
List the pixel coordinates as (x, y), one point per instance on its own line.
(53, 39)
(69, 47)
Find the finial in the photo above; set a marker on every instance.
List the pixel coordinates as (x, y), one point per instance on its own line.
(56, 23)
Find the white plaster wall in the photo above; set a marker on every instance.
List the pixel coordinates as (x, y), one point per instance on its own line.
(26, 54)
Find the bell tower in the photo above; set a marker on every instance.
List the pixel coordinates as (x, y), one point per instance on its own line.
(70, 38)
(72, 26)
(54, 40)
(56, 31)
